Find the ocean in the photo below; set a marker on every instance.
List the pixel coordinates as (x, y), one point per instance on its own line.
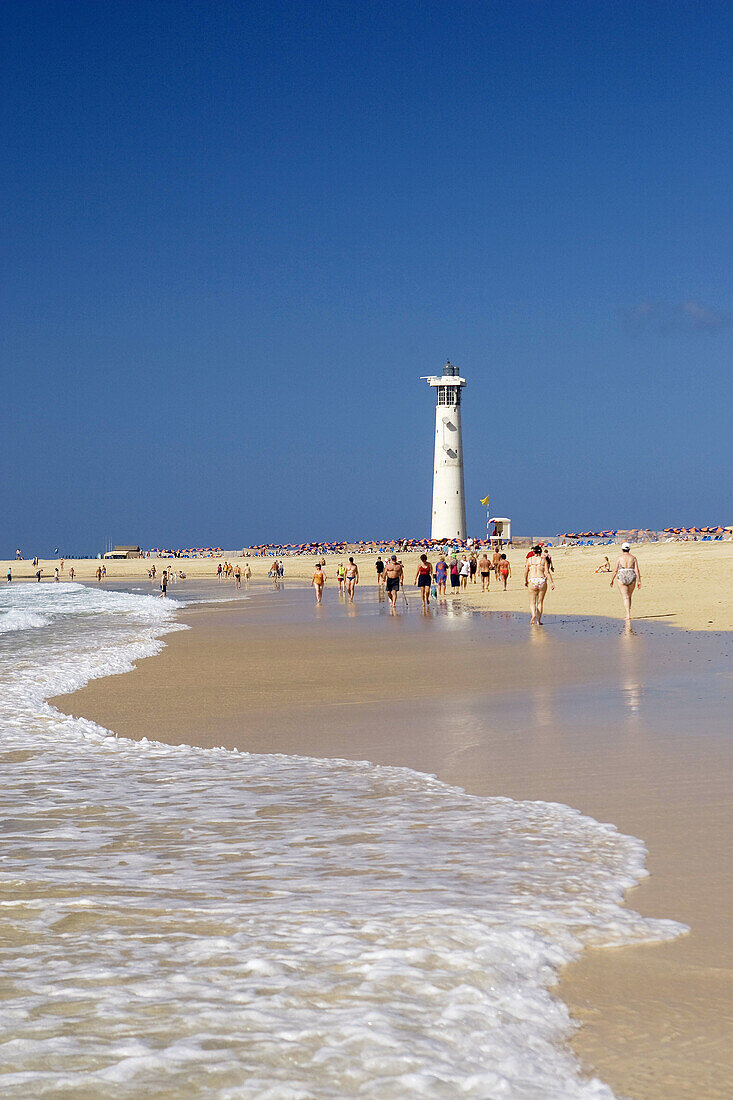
(183, 922)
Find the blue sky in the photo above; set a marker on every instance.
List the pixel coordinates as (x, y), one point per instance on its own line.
(235, 235)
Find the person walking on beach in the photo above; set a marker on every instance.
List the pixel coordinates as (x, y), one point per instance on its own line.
(504, 570)
(496, 561)
(10, 574)
(394, 575)
(423, 580)
(473, 568)
(72, 573)
(319, 579)
(352, 578)
(465, 571)
(38, 575)
(455, 580)
(56, 574)
(219, 571)
(341, 577)
(627, 575)
(536, 575)
(441, 575)
(484, 568)
(247, 573)
(379, 566)
(237, 577)
(99, 573)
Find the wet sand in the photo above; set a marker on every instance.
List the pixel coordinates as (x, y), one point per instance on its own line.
(630, 728)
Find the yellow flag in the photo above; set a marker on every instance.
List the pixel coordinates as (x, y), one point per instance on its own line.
(485, 502)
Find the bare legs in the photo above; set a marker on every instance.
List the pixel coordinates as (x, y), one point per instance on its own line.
(627, 591)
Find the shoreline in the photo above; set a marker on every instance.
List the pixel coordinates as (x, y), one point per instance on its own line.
(242, 674)
(684, 585)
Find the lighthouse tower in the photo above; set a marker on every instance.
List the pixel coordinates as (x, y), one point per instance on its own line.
(449, 500)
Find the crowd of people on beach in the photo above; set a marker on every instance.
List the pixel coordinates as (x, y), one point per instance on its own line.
(449, 574)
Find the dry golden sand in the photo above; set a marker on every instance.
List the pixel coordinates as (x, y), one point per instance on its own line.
(628, 728)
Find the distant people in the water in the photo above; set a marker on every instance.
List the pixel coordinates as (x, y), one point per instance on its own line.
(628, 577)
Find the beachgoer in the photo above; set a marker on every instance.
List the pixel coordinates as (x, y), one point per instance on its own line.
(484, 568)
(10, 574)
(536, 576)
(62, 565)
(219, 571)
(394, 574)
(496, 560)
(465, 571)
(441, 575)
(352, 578)
(38, 575)
(104, 571)
(72, 573)
(237, 577)
(99, 573)
(423, 579)
(474, 568)
(56, 574)
(605, 567)
(341, 576)
(504, 570)
(247, 573)
(319, 579)
(628, 575)
(455, 579)
(164, 583)
(379, 566)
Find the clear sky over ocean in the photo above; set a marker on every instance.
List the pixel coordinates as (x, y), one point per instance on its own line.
(236, 234)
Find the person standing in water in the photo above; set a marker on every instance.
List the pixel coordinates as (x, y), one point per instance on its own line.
(164, 583)
(319, 579)
(536, 575)
(628, 576)
(352, 578)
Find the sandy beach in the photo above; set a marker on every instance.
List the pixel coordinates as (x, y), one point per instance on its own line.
(685, 584)
(631, 728)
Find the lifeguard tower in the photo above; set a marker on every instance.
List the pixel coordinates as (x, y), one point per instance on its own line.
(502, 531)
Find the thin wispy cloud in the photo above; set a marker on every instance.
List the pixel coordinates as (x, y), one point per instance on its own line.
(690, 315)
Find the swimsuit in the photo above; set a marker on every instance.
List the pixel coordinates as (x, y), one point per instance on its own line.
(393, 584)
(423, 576)
(627, 576)
(537, 582)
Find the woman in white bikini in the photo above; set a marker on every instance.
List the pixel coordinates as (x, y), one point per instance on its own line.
(536, 575)
(628, 576)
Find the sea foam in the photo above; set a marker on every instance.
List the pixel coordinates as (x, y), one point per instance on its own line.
(185, 922)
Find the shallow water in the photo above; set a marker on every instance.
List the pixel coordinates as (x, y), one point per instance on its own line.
(180, 922)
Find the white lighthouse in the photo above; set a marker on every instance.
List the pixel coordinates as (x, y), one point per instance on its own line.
(449, 500)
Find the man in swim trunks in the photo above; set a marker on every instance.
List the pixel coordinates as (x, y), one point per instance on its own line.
(379, 566)
(536, 576)
(352, 578)
(484, 568)
(394, 574)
